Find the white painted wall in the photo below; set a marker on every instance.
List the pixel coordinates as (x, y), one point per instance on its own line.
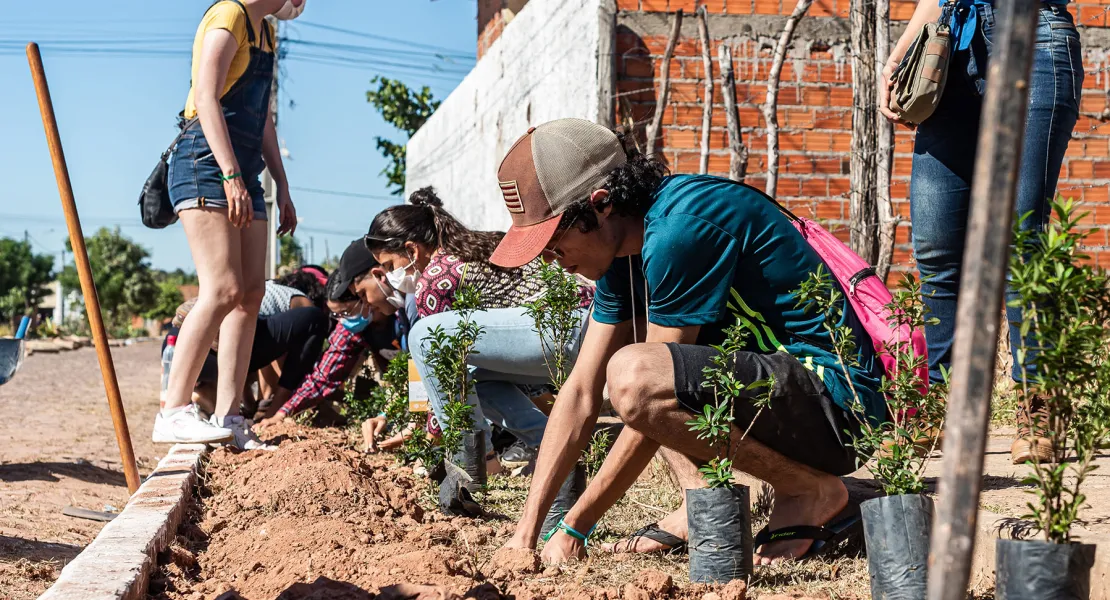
(543, 67)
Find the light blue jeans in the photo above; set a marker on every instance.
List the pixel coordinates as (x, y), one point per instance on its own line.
(507, 354)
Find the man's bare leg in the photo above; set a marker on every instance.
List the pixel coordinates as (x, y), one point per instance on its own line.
(686, 472)
(642, 392)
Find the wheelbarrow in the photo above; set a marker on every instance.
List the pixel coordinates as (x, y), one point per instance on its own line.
(11, 352)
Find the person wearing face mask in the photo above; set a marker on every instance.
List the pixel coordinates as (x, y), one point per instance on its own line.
(429, 254)
(370, 317)
(213, 179)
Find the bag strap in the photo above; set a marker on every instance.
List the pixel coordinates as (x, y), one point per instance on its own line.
(782, 209)
(250, 28)
(184, 127)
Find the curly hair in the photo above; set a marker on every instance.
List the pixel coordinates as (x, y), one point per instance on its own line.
(424, 221)
(306, 283)
(631, 188)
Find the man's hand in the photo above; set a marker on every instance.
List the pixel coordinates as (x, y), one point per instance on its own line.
(518, 541)
(562, 548)
(274, 420)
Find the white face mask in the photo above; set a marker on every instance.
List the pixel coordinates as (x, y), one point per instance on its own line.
(288, 12)
(402, 281)
(395, 299)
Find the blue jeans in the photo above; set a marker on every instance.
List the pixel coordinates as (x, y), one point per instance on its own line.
(507, 354)
(944, 159)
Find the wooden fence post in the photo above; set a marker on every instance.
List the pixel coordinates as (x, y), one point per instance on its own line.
(986, 261)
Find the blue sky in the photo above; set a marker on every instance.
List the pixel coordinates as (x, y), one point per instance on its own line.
(119, 73)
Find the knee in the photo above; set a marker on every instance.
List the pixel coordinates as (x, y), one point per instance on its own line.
(251, 294)
(223, 295)
(626, 376)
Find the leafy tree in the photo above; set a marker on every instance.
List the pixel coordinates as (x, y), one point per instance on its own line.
(121, 270)
(169, 297)
(290, 250)
(405, 109)
(24, 277)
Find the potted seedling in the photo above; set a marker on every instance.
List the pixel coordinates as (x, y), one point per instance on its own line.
(1065, 305)
(897, 525)
(555, 313)
(446, 354)
(719, 517)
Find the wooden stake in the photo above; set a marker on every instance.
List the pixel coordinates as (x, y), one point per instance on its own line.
(664, 85)
(986, 260)
(771, 106)
(887, 222)
(738, 152)
(81, 258)
(707, 104)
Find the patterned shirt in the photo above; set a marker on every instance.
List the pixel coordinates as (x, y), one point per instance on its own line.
(498, 288)
(335, 366)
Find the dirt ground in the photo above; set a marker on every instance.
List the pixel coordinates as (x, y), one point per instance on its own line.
(57, 449)
(317, 519)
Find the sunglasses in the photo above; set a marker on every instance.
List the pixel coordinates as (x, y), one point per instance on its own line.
(347, 313)
(552, 250)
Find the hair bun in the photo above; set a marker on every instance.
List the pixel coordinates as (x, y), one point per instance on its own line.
(425, 196)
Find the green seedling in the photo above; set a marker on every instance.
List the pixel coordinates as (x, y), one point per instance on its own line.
(1065, 303)
(555, 314)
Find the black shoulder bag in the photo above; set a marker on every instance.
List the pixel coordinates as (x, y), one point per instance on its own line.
(154, 202)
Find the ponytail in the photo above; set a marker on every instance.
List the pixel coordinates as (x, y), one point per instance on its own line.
(425, 221)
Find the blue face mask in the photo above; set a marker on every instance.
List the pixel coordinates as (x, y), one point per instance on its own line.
(355, 324)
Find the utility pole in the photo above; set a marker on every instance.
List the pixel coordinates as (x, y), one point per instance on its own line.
(62, 291)
(311, 250)
(269, 189)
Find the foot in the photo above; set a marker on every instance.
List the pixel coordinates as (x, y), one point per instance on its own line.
(1031, 442)
(187, 427)
(674, 524)
(517, 455)
(493, 465)
(244, 437)
(817, 507)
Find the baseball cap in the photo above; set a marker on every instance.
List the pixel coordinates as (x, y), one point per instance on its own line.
(355, 261)
(548, 169)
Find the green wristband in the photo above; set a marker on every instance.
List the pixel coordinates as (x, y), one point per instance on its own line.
(572, 532)
(230, 177)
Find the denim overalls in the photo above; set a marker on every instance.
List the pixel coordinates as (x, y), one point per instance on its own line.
(944, 157)
(194, 175)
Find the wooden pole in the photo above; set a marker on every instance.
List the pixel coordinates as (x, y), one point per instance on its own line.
(978, 314)
(771, 106)
(737, 151)
(664, 85)
(81, 258)
(884, 161)
(707, 105)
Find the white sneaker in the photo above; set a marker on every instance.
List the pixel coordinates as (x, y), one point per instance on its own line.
(187, 427)
(244, 437)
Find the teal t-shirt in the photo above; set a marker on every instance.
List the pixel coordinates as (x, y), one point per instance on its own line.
(705, 236)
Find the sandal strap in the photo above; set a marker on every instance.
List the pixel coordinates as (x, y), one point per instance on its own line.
(652, 532)
(798, 532)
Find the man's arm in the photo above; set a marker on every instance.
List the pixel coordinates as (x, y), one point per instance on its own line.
(570, 426)
(330, 372)
(628, 457)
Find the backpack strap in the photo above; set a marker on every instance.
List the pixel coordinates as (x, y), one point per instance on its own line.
(250, 28)
(781, 208)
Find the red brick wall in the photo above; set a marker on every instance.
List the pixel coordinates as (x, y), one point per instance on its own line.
(815, 115)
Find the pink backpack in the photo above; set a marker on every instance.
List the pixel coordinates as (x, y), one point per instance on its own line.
(867, 294)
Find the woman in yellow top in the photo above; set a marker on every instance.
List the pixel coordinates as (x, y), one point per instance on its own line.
(214, 171)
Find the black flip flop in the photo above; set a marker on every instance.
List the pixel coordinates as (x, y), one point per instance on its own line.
(845, 525)
(651, 531)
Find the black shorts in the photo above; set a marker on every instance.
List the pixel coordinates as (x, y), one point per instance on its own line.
(802, 422)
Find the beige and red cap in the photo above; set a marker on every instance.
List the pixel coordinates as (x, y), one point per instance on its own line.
(546, 170)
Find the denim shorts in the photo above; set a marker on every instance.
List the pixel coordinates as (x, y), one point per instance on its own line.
(195, 178)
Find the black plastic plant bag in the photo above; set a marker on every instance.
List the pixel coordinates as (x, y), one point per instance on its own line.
(569, 492)
(1028, 570)
(896, 530)
(471, 458)
(720, 541)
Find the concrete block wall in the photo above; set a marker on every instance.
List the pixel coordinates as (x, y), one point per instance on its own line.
(815, 104)
(545, 65)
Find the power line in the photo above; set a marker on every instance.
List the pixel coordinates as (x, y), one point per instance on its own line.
(344, 194)
(371, 36)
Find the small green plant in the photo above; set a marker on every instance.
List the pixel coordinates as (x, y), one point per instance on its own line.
(446, 355)
(596, 452)
(555, 313)
(714, 424)
(1065, 302)
(396, 379)
(306, 417)
(895, 452)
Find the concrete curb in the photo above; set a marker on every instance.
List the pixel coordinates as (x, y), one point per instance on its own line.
(117, 564)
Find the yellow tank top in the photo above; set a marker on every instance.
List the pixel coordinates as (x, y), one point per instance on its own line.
(229, 16)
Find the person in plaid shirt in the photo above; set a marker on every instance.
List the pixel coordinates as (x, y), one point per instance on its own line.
(373, 324)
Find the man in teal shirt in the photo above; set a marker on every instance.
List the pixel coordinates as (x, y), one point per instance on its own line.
(675, 249)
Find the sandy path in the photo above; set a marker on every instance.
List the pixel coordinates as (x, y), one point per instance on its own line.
(57, 448)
